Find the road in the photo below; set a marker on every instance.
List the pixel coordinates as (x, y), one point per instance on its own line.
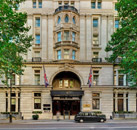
(109, 125)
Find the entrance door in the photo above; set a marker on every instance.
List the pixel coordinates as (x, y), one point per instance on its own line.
(67, 106)
(120, 105)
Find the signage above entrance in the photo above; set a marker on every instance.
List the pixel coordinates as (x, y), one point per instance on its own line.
(65, 93)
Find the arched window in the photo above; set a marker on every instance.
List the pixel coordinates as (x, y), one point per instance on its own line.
(66, 19)
(74, 20)
(59, 19)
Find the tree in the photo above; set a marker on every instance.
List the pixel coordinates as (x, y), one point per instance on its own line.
(123, 42)
(14, 40)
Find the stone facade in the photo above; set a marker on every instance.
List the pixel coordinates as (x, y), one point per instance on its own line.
(68, 40)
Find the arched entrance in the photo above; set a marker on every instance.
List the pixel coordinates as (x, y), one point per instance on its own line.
(66, 93)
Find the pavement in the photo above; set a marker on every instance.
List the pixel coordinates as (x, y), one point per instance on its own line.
(44, 121)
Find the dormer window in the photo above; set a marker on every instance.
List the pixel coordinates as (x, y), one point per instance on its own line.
(66, 19)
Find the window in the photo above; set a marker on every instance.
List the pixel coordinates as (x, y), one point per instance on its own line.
(71, 83)
(115, 7)
(59, 54)
(95, 54)
(99, 5)
(37, 100)
(60, 83)
(40, 4)
(59, 36)
(95, 40)
(13, 79)
(60, 3)
(13, 104)
(93, 5)
(95, 22)
(17, 6)
(37, 77)
(37, 53)
(121, 80)
(66, 83)
(66, 54)
(66, 35)
(59, 19)
(66, 3)
(37, 22)
(74, 20)
(66, 19)
(72, 3)
(73, 36)
(95, 77)
(37, 39)
(73, 54)
(116, 23)
(96, 101)
(34, 4)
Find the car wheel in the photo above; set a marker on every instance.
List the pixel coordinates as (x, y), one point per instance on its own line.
(81, 120)
(102, 120)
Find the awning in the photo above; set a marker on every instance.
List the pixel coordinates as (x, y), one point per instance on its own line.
(67, 93)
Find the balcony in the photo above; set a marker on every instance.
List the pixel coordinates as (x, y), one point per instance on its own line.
(66, 8)
(36, 59)
(66, 43)
(97, 60)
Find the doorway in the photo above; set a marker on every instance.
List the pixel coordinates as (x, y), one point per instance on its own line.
(70, 107)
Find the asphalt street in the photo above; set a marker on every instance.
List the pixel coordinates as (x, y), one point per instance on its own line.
(69, 125)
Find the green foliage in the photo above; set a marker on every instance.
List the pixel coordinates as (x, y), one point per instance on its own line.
(37, 112)
(35, 117)
(14, 39)
(123, 42)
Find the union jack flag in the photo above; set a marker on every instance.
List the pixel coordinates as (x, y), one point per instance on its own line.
(45, 77)
(90, 78)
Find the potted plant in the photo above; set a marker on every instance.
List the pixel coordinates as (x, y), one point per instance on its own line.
(35, 117)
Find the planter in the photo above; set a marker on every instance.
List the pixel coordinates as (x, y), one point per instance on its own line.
(35, 117)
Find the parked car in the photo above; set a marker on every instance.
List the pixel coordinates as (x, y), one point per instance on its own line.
(89, 116)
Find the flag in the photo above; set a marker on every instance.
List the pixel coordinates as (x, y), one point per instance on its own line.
(90, 78)
(45, 77)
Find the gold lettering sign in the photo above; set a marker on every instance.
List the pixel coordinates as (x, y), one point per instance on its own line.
(86, 105)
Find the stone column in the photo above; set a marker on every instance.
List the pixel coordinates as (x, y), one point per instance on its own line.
(116, 77)
(30, 24)
(50, 37)
(88, 37)
(124, 101)
(44, 34)
(103, 36)
(16, 101)
(116, 100)
(82, 37)
(125, 80)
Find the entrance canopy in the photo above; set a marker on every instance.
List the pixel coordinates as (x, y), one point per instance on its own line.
(66, 93)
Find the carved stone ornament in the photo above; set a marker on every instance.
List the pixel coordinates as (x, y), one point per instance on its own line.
(66, 66)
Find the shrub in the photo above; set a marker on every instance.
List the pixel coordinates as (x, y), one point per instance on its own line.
(35, 117)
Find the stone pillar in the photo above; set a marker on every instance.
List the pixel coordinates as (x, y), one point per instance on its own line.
(30, 24)
(44, 33)
(125, 80)
(82, 38)
(16, 101)
(103, 36)
(124, 101)
(116, 77)
(88, 37)
(116, 100)
(50, 37)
